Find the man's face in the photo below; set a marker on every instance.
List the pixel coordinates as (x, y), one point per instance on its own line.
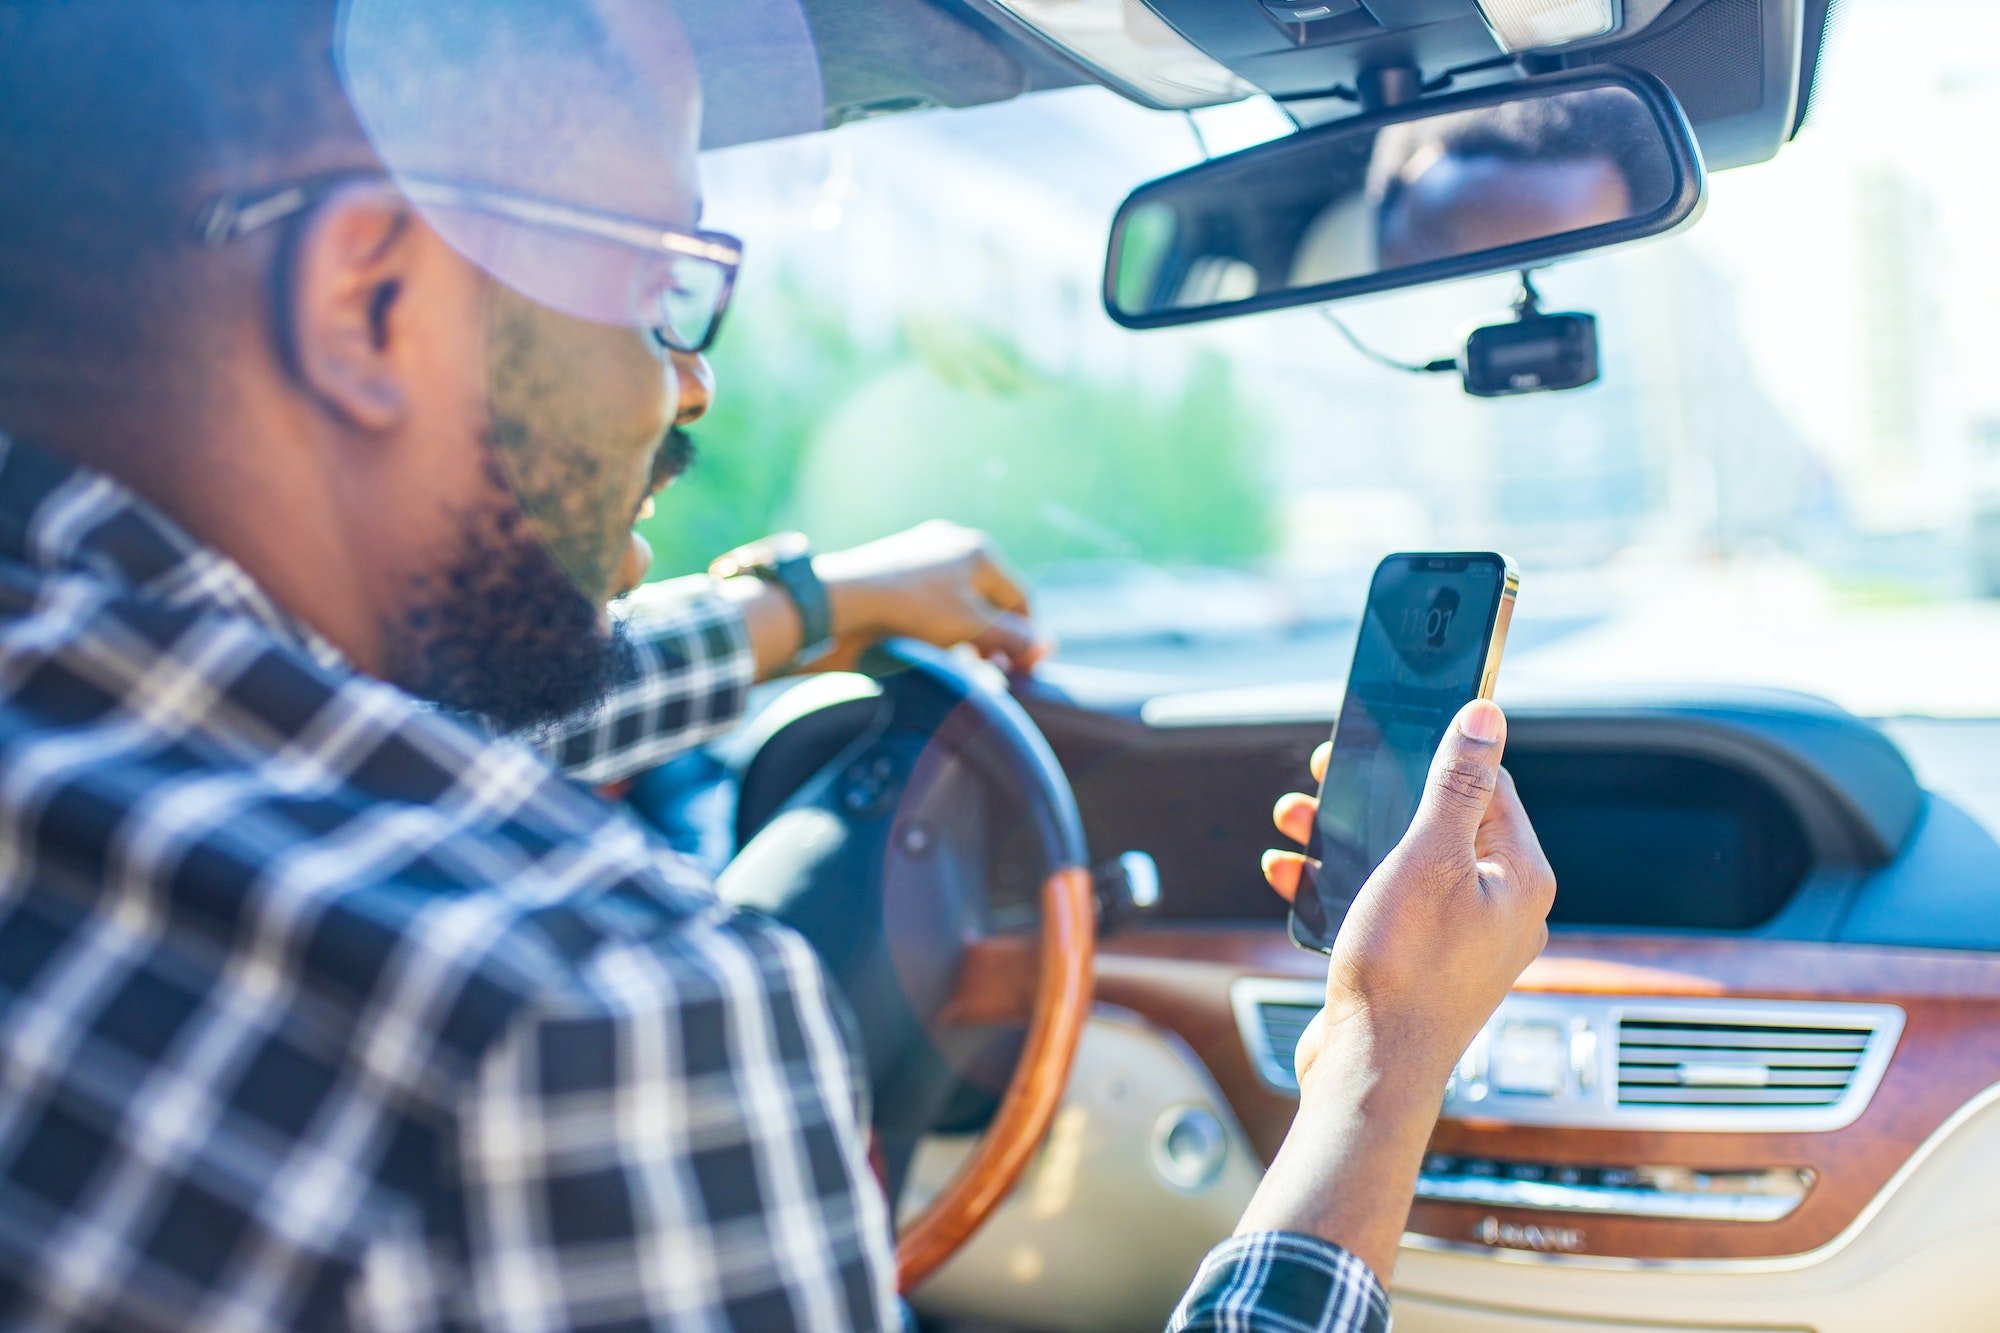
(573, 439)
(1465, 205)
(578, 419)
(571, 433)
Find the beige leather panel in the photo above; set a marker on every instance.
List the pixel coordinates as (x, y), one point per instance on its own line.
(1416, 1315)
(1928, 1259)
(1093, 1239)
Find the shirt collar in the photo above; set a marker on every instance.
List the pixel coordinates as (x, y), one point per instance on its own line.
(63, 518)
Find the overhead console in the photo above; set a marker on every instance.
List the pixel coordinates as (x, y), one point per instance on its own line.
(1742, 69)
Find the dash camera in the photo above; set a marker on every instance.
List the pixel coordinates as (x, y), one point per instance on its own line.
(1534, 353)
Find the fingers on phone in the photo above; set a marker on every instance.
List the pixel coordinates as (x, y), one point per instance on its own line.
(1281, 872)
(1294, 815)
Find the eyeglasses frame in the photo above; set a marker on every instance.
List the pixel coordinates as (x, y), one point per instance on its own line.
(232, 216)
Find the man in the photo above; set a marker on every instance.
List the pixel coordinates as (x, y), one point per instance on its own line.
(1479, 180)
(321, 1006)
(1472, 181)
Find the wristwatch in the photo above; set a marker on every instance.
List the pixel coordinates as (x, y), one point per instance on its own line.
(785, 562)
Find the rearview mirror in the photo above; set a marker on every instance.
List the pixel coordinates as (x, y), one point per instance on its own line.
(1501, 178)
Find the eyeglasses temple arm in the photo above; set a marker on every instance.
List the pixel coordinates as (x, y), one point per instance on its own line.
(228, 217)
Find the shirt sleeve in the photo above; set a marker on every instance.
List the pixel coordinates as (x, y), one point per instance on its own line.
(1281, 1282)
(684, 682)
(674, 1142)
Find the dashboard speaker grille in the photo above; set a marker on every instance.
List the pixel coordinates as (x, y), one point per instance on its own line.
(1669, 1061)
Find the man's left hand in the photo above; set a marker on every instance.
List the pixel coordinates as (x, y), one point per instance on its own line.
(938, 582)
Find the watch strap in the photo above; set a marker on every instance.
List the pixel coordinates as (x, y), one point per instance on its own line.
(785, 563)
(795, 577)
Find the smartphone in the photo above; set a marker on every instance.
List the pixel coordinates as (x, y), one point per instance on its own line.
(1430, 643)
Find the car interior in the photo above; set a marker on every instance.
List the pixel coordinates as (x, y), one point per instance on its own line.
(1754, 1081)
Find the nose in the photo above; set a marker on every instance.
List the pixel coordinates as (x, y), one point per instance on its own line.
(697, 387)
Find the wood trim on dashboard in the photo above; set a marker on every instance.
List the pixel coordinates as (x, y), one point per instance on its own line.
(1180, 980)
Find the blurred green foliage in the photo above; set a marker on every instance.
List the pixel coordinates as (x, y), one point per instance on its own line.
(811, 431)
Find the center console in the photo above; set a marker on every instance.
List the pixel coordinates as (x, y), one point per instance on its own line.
(1634, 1064)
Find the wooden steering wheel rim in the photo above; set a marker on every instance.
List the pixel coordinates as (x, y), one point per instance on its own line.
(1061, 1005)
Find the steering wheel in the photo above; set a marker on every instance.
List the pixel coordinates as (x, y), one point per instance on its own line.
(881, 856)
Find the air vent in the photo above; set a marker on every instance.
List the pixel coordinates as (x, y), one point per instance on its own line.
(1675, 1062)
(1281, 1025)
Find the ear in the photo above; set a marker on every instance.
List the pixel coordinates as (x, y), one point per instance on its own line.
(347, 327)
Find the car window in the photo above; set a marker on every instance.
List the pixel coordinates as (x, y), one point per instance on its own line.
(1789, 474)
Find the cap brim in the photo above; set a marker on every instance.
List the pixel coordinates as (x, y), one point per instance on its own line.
(566, 102)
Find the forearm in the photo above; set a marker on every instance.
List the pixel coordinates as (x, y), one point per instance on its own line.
(1348, 1167)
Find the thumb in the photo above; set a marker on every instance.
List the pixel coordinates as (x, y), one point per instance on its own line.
(1464, 774)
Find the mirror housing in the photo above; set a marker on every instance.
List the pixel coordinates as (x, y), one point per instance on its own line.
(1503, 178)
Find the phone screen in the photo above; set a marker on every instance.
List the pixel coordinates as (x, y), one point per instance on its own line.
(1428, 639)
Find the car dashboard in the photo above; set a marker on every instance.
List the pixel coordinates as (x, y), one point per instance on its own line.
(1751, 1083)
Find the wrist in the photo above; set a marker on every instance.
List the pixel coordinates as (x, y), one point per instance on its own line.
(855, 600)
(1391, 1063)
(1348, 1167)
(770, 621)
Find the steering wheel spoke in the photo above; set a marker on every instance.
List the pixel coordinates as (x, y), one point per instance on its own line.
(879, 855)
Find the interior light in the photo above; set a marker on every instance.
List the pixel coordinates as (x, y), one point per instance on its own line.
(1528, 25)
(1131, 45)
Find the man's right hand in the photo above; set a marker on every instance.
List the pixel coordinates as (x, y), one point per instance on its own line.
(1426, 953)
(1443, 928)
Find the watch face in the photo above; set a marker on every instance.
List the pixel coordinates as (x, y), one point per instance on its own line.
(784, 546)
(763, 554)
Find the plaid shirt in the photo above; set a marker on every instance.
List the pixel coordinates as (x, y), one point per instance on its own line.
(321, 1009)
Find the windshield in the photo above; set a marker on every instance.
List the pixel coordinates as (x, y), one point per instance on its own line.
(1789, 474)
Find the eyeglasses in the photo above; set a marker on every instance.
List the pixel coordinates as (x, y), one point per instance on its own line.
(678, 288)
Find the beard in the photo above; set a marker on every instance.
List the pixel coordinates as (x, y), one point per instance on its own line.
(510, 624)
(500, 630)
